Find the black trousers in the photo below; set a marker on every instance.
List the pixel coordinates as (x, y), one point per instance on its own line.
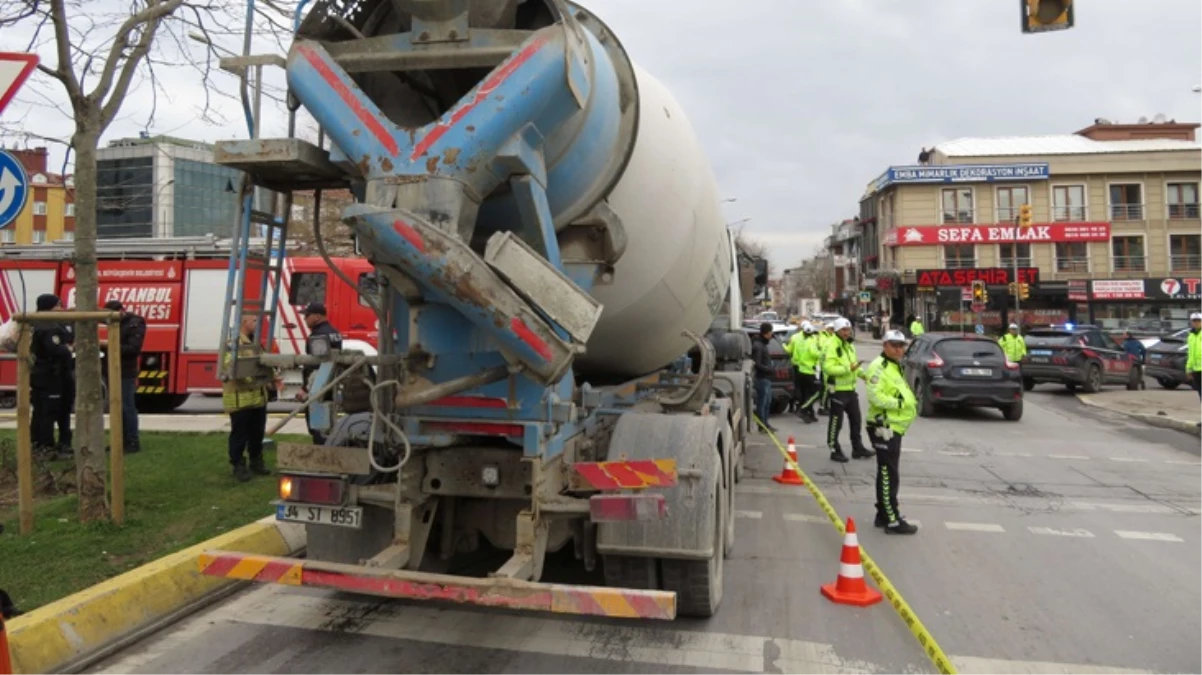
(63, 416)
(806, 386)
(1195, 381)
(888, 455)
(246, 434)
(845, 402)
(46, 406)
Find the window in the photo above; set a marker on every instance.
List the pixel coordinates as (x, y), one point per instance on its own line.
(39, 236)
(959, 256)
(39, 208)
(201, 199)
(70, 210)
(1068, 203)
(1183, 200)
(957, 205)
(1072, 257)
(124, 197)
(1185, 252)
(7, 235)
(1006, 253)
(1128, 254)
(1126, 201)
(369, 286)
(38, 179)
(307, 287)
(1009, 199)
(69, 235)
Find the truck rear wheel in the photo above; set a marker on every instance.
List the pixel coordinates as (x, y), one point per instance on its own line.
(624, 571)
(698, 583)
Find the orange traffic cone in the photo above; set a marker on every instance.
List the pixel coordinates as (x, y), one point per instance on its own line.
(6, 661)
(850, 588)
(788, 476)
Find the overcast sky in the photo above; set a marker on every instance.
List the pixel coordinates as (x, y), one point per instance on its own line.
(800, 103)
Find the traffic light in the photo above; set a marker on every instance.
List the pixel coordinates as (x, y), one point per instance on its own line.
(1024, 215)
(1040, 16)
(1013, 288)
(979, 294)
(1024, 291)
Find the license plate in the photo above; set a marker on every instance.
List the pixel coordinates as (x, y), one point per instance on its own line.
(338, 516)
(1154, 357)
(1041, 352)
(1038, 359)
(977, 372)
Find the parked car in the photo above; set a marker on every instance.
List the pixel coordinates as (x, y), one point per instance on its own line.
(1166, 360)
(1078, 356)
(956, 370)
(782, 379)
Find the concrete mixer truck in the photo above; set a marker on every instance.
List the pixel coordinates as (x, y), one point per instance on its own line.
(567, 378)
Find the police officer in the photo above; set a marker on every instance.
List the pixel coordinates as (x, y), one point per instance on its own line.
(133, 334)
(806, 358)
(1013, 344)
(319, 325)
(891, 410)
(53, 382)
(825, 338)
(794, 348)
(840, 370)
(245, 400)
(1193, 355)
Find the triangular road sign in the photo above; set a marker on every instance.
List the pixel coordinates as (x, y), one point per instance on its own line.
(15, 68)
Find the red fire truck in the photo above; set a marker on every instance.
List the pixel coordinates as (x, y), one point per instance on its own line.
(178, 286)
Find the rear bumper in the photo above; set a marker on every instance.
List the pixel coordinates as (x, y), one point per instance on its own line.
(976, 394)
(1051, 373)
(486, 592)
(1166, 373)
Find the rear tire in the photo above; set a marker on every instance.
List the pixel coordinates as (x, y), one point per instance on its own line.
(1093, 380)
(698, 583)
(1013, 413)
(926, 407)
(1135, 381)
(778, 406)
(1028, 383)
(623, 571)
(1167, 384)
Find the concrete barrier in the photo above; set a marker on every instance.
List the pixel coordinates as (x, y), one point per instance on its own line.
(78, 627)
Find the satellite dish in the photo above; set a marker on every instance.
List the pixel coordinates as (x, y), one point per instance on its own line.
(1159, 118)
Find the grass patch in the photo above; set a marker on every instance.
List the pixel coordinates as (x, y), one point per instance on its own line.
(178, 492)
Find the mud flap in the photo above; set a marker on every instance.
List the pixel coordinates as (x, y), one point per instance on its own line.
(687, 531)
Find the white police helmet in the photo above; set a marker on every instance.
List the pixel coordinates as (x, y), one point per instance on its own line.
(1196, 316)
(807, 326)
(894, 336)
(841, 323)
(1013, 326)
(830, 325)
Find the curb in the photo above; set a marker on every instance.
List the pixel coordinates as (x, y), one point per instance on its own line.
(1162, 421)
(81, 626)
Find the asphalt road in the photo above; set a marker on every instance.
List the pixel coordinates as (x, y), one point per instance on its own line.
(1066, 542)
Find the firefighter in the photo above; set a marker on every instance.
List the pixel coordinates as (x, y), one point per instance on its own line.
(891, 410)
(1193, 357)
(840, 370)
(53, 383)
(1013, 344)
(245, 400)
(133, 334)
(316, 318)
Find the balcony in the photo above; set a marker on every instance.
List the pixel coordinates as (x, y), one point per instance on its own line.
(1069, 214)
(961, 217)
(1129, 263)
(1009, 263)
(1126, 211)
(1189, 262)
(960, 263)
(1007, 215)
(1183, 211)
(1072, 264)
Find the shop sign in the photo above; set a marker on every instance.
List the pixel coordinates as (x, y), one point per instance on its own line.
(1173, 288)
(1118, 289)
(1039, 233)
(992, 276)
(1078, 290)
(961, 173)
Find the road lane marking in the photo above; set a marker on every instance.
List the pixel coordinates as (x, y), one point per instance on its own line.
(1127, 459)
(911, 449)
(1122, 508)
(1068, 457)
(1186, 462)
(753, 515)
(974, 527)
(1077, 532)
(1012, 454)
(1148, 536)
(804, 518)
(950, 453)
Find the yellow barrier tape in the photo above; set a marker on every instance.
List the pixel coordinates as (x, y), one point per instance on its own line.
(942, 663)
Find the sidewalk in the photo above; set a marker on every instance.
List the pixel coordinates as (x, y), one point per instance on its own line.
(1178, 410)
(181, 423)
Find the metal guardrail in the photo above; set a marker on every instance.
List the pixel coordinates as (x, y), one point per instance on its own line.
(1130, 263)
(1127, 212)
(1183, 211)
(1072, 264)
(959, 217)
(1069, 214)
(1009, 263)
(1185, 263)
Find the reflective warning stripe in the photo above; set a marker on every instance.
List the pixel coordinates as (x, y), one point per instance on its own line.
(152, 374)
(150, 390)
(490, 592)
(630, 474)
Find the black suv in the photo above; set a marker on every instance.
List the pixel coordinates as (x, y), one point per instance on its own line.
(1166, 360)
(951, 369)
(1078, 356)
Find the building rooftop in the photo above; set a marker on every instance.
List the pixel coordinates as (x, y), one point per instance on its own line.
(1061, 144)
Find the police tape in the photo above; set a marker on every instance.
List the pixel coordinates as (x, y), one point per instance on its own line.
(940, 660)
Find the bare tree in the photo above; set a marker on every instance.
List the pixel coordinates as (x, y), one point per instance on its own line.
(100, 52)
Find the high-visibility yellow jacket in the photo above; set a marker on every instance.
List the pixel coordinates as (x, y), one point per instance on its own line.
(1014, 346)
(890, 400)
(1193, 357)
(837, 365)
(916, 328)
(246, 392)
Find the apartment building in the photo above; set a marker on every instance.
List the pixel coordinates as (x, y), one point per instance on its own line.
(1115, 237)
(49, 213)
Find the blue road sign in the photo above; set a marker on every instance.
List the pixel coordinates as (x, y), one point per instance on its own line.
(980, 329)
(14, 188)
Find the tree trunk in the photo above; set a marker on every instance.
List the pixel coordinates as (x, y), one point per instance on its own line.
(89, 398)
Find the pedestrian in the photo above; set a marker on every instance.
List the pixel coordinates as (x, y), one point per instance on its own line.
(764, 371)
(891, 410)
(245, 400)
(841, 368)
(320, 329)
(1193, 358)
(916, 328)
(52, 383)
(1013, 344)
(133, 334)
